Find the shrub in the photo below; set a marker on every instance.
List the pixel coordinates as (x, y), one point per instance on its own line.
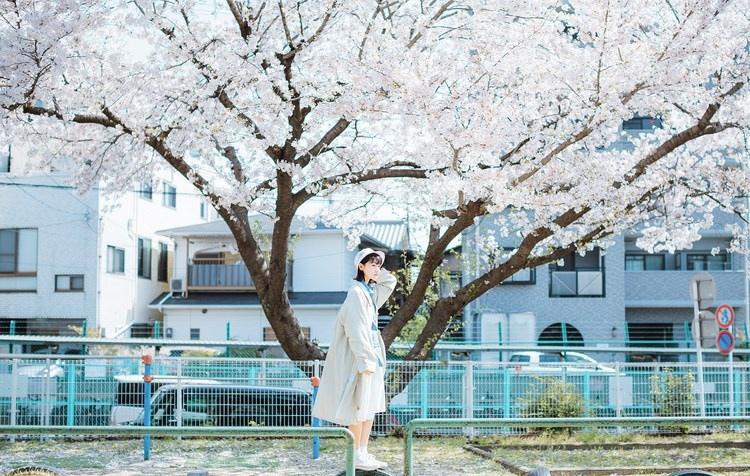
(553, 398)
(672, 395)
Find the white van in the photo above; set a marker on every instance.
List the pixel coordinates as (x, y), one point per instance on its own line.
(128, 402)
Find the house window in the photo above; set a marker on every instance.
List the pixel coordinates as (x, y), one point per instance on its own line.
(5, 160)
(641, 123)
(643, 262)
(524, 276)
(161, 274)
(147, 191)
(8, 251)
(115, 260)
(144, 258)
(18, 251)
(707, 262)
(269, 335)
(195, 334)
(561, 333)
(204, 209)
(578, 276)
(68, 283)
(169, 196)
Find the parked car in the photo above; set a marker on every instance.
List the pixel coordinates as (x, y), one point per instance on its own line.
(534, 361)
(128, 401)
(230, 405)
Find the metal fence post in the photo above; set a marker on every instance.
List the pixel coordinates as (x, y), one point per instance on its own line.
(730, 383)
(618, 391)
(70, 399)
(178, 410)
(468, 407)
(506, 391)
(147, 378)
(587, 392)
(13, 395)
(46, 393)
(315, 381)
(424, 393)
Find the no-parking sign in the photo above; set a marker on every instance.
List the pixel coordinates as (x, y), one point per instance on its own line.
(725, 342)
(724, 316)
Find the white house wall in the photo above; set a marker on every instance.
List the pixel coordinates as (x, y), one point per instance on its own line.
(66, 240)
(244, 323)
(321, 262)
(124, 299)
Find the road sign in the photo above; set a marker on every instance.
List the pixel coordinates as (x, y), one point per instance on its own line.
(705, 330)
(725, 342)
(703, 289)
(724, 316)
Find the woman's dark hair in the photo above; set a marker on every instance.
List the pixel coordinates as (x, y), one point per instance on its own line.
(375, 258)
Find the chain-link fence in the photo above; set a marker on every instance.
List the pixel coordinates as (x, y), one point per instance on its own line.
(76, 391)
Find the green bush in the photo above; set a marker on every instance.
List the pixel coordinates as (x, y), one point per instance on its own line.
(553, 398)
(672, 395)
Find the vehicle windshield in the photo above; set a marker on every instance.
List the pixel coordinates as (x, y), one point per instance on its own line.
(520, 358)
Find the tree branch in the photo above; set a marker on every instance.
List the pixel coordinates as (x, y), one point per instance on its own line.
(434, 18)
(387, 171)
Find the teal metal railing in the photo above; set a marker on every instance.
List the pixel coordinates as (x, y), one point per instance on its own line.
(416, 424)
(254, 432)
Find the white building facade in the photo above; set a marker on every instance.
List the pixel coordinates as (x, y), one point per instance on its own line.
(90, 262)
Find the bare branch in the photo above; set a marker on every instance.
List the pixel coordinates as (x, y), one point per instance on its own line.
(287, 33)
(434, 18)
(305, 43)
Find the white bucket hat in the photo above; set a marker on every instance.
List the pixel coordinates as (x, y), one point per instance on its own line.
(367, 251)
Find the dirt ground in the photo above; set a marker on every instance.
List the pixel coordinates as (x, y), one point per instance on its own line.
(437, 456)
(233, 457)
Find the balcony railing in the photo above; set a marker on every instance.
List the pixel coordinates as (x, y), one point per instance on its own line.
(213, 276)
(580, 282)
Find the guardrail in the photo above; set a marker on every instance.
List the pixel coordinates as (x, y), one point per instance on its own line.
(611, 347)
(254, 432)
(434, 423)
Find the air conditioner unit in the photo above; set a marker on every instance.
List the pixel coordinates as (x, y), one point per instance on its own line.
(178, 288)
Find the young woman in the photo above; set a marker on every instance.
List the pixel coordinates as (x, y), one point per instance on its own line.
(352, 387)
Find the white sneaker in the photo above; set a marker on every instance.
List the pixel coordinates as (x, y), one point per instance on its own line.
(363, 462)
(380, 464)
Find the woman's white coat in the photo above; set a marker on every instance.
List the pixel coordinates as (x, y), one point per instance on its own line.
(351, 352)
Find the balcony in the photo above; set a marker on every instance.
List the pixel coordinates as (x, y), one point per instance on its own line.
(205, 276)
(672, 288)
(215, 275)
(579, 282)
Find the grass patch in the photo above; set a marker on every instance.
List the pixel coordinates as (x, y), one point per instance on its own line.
(601, 437)
(623, 458)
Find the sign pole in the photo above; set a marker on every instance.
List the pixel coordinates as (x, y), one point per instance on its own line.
(699, 353)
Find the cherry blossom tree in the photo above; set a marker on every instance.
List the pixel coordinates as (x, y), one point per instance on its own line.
(454, 109)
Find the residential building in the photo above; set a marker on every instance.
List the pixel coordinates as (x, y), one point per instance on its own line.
(614, 297)
(213, 296)
(72, 262)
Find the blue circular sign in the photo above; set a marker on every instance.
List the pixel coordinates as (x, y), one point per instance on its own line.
(725, 342)
(724, 316)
